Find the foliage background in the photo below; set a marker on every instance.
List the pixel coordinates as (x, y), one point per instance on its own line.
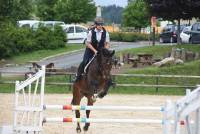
(15, 40)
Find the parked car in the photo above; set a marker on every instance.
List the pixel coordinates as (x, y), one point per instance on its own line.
(75, 33)
(34, 24)
(169, 33)
(52, 24)
(185, 34)
(195, 33)
(27, 23)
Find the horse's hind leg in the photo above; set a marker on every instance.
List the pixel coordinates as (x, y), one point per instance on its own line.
(90, 103)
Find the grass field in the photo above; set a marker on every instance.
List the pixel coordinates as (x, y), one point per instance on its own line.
(38, 55)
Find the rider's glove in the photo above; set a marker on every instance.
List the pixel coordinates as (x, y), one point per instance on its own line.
(95, 52)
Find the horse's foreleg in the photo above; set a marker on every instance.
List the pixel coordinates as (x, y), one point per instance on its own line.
(76, 101)
(90, 103)
(78, 128)
(106, 87)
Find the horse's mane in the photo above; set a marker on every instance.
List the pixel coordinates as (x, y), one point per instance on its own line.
(107, 53)
(99, 61)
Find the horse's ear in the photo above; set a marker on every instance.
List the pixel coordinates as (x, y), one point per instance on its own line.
(113, 52)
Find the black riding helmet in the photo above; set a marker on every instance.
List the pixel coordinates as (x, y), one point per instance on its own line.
(98, 21)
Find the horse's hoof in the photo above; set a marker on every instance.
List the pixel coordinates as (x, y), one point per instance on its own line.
(101, 95)
(85, 128)
(78, 130)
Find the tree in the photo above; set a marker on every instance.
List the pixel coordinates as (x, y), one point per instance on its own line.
(75, 11)
(112, 14)
(46, 9)
(136, 15)
(15, 9)
(174, 10)
(22, 9)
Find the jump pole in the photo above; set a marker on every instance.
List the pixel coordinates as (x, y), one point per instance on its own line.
(91, 120)
(113, 108)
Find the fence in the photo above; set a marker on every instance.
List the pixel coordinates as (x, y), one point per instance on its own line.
(156, 84)
(28, 111)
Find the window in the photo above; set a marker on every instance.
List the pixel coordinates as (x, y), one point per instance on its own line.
(26, 25)
(36, 25)
(59, 23)
(80, 29)
(168, 28)
(49, 25)
(198, 27)
(70, 30)
(194, 27)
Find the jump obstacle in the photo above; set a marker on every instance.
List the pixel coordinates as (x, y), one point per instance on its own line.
(28, 114)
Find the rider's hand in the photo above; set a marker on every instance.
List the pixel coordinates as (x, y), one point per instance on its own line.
(95, 52)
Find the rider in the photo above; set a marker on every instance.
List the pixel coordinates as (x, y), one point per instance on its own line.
(97, 38)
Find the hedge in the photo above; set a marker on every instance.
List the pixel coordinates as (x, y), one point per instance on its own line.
(15, 40)
(130, 36)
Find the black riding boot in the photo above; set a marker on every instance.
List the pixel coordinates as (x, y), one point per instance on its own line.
(79, 72)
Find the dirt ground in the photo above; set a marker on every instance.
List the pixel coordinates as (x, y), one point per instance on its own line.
(7, 102)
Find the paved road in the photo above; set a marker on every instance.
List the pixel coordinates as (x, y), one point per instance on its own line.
(72, 59)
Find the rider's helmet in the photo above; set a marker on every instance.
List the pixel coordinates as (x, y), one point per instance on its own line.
(98, 21)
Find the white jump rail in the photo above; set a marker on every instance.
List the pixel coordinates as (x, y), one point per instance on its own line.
(112, 108)
(182, 110)
(28, 110)
(91, 120)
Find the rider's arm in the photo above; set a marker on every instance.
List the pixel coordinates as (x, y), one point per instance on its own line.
(89, 45)
(107, 45)
(89, 40)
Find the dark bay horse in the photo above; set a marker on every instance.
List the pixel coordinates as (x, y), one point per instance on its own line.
(96, 81)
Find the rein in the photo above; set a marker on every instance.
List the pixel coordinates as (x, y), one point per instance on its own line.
(89, 63)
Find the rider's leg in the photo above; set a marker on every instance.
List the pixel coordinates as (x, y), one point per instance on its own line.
(86, 58)
(80, 71)
(82, 66)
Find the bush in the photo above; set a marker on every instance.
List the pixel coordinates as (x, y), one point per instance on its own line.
(130, 36)
(16, 40)
(23, 40)
(7, 46)
(116, 36)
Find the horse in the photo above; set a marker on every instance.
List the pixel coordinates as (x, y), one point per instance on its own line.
(97, 80)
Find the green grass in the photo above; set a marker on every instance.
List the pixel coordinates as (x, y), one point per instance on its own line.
(161, 50)
(35, 56)
(38, 55)
(189, 68)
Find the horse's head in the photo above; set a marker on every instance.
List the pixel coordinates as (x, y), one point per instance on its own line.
(104, 58)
